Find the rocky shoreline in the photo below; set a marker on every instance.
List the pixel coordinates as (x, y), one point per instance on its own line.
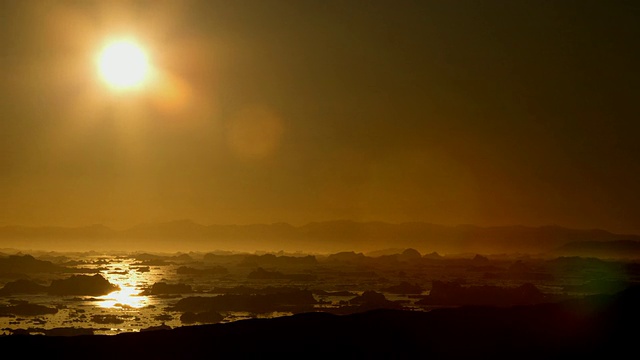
(598, 325)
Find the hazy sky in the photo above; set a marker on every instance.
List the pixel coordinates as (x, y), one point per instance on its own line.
(451, 112)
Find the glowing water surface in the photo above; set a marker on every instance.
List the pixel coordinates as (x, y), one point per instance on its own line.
(131, 280)
(126, 297)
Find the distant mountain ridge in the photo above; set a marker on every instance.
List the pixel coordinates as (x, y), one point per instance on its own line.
(327, 236)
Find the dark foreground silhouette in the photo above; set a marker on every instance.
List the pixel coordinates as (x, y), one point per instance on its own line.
(594, 326)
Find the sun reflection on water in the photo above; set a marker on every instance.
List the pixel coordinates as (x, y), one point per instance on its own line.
(126, 297)
(130, 282)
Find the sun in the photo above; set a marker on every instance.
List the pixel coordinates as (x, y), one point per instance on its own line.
(123, 64)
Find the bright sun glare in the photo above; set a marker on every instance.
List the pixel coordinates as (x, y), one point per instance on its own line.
(123, 64)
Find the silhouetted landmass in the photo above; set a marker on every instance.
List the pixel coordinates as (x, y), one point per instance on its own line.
(18, 266)
(334, 293)
(74, 285)
(224, 258)
(22, 286)
(454, 294)
(206, 317)
(608, 249)
(592, 327)
(82, 285)
(517, 270)
(64, 331)
(579, 266)
(210, 270)
(245, 290)
(369, 300)
(404, 288)
(330, 236)
(385, 282)
(182, 258)
(263, 274)
(156, 328)
(270, 260)
(347, 256)
(433, 256)
(27, 309)
(106, 319)
(292, 301)
(27, 264)
(409, 255)
(517, 274)
(391, 251)
(599, 286)
(154, 262)
(162, 288)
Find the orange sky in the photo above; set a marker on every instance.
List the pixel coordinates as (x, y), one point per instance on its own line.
(451, 112)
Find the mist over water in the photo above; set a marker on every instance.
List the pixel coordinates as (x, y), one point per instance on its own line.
(107, 293)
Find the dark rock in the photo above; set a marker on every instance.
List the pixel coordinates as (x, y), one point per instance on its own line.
(82, 285)
(599, 286)
(162, 288)
(211, 270)
(26, 309)
(369, 297)
(347, 256)
(27, 264)
(263, 274)
(479, 259)
(245, 290)
(433, 256)
(454, 294)
(410, 255)
(290, 301)
(404, 288)
(68, 331)
(22, 286)
(156, 328)
(206, 317)
(163, 317)
(270, 260)
(333, 293)
(106, 319)
(369, 300)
